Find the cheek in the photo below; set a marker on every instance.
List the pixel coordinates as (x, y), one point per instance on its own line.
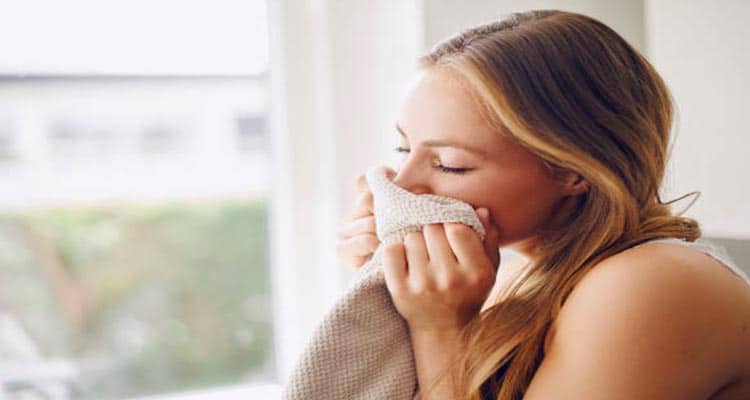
(518, 203)
(523, 213)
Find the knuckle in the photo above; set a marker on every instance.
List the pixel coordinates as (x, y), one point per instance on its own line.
(449, 282)
(371, 227)
(369, 241)
(420, 288)
(473, 280)
(478, 279)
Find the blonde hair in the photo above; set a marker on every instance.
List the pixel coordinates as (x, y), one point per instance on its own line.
(577, 95)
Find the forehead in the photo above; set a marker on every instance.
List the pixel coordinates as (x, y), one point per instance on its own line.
(440, 106)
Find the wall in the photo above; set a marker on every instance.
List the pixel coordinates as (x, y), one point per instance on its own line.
(701, 49)
(444, 17)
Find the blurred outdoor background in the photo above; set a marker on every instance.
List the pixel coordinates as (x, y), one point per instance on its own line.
(173, 173)
(134, 166)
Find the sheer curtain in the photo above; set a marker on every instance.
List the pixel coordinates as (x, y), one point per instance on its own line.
(338, 72)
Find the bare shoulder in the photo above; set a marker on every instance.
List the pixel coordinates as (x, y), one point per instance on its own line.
(662, 317)
(685, 281)
(664, 271)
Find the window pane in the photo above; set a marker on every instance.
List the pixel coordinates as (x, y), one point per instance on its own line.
(134, 209)
(142, 37)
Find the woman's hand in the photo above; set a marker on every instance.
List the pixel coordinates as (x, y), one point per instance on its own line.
(440, 278)
(357, 237)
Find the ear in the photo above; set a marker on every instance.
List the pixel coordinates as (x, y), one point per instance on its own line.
(574, 183)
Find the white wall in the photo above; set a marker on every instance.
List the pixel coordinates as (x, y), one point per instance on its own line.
(702, 49)
(445, 17)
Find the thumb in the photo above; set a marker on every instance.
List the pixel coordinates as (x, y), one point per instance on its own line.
(491, 237)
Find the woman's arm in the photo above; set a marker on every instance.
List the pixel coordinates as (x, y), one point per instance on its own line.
(434, 352)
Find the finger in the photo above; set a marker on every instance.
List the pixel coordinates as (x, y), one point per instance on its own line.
(360, 245)
(492, 235)
(417, 260)
(465, 243)
(358, 226)
(346, 257)
(363, 206)
(354, 262)
(439, 250)
(361, 183)
(395, 267)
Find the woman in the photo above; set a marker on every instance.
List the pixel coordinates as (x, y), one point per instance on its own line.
(556, 130)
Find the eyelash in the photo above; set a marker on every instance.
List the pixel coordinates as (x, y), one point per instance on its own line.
(443, 168)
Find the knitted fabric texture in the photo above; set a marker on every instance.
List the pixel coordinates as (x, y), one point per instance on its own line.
(362, 350)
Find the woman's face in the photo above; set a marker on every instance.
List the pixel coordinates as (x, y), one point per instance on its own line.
(441, 127)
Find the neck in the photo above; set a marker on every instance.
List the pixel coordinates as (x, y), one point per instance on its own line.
(529, 247)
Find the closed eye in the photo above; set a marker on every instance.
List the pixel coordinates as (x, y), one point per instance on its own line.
(440, 167)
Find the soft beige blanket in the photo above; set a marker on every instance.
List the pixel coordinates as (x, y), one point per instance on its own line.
(362, 349)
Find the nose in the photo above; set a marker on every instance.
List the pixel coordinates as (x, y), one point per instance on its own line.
(411, 178)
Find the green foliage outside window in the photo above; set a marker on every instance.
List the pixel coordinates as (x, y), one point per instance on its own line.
(143, 299)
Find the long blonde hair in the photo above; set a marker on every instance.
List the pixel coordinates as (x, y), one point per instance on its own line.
(577, 95)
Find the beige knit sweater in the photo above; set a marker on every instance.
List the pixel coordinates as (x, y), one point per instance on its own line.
(362, 350)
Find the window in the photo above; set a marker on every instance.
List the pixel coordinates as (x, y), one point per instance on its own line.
(252, 133)
(7, 143)
(134, 159)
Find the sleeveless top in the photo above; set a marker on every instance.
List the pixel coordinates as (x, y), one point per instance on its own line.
(714, 250)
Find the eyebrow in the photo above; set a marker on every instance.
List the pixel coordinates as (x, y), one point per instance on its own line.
(445, 143)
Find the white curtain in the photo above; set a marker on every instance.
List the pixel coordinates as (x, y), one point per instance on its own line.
(338, 72)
